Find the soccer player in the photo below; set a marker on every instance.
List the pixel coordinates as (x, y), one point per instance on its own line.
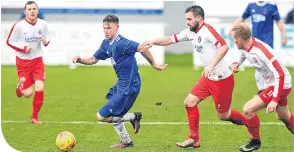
(123, 94)
(26, 37)
(277, 81)
(217, 79)
(263, 14)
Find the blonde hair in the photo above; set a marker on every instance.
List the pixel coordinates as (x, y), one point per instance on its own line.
(242, 31)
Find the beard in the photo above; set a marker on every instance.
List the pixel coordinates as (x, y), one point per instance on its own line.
(194, 28)
(241, 47)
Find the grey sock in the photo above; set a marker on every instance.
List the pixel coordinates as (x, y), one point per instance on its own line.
(122, 132)
(126, 117)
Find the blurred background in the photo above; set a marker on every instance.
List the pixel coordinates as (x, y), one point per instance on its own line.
(72, 97)
(75, 26)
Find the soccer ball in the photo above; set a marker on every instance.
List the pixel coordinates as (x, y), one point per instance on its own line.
(65, 141)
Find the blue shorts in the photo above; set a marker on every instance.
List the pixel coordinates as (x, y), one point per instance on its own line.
(118, 103)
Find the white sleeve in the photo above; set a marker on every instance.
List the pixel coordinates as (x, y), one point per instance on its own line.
(180, 36)
(12, 39)
(214, 37)
(46, 34)
(241, 59)
(274, 65)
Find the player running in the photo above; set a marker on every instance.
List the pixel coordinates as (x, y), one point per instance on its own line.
(26, 37)
(123, 94)
(277, 81)
(217, 79)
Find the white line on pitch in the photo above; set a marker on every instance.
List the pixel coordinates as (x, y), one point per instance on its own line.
(143, 123)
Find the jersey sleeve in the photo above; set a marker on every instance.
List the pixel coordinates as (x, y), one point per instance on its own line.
(101, 54)
(180, 36)
(214, 37)
(241, 59)
(274, 65)
(46, 34)
(12, 39)
(276, 15)
(130, 48)
(246, 13)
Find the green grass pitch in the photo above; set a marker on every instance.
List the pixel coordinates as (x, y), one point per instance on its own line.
(76, 95)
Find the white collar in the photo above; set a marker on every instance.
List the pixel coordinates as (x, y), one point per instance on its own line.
(261, 4)
(114, 39)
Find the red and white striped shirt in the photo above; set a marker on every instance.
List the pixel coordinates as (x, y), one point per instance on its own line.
(206, 42)
(24, 34)
(263, 59)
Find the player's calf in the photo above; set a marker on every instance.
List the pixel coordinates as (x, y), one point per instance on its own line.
(18, 90)
(289, 123)
(136, 122)
(27, 92)
(223, 116)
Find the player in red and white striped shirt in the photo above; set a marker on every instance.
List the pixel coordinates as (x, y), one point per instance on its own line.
(26, 37)
(217, 80)
(277, 80)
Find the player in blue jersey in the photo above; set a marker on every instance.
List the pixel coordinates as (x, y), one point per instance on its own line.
(123, 94)
(263, 14)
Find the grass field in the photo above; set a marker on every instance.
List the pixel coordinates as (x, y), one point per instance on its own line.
(76, 95)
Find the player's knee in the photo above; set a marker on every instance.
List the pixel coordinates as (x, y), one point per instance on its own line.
(282, 117)
(223, 116)
(248, 110)
(39, 87)
(189, 103)
(100, 118)
(27, 92)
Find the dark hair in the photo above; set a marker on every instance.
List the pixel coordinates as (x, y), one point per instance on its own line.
(111, 19)
(29, 3)
(196, 10)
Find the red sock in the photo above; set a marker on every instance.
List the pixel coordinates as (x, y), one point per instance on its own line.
(290, 124)
(193, 119)
(37, 103)
(253, 125)
(237, 118)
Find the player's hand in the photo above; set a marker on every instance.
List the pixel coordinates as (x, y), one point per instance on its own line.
(76, 59)
(208, 70)
(28, 50)
(234, 67)
(143, 47)
(284, 41)
(147, 44)
(271, 107)
(159, 67)
(43, 40)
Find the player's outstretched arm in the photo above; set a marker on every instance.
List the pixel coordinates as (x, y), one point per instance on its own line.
(86, 60)
(149, 57)
(163, 41)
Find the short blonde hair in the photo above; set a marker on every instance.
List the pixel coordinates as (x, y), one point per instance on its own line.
(242, 31)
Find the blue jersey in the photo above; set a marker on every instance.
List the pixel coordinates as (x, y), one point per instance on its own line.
(122, 55)
(262, 18)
